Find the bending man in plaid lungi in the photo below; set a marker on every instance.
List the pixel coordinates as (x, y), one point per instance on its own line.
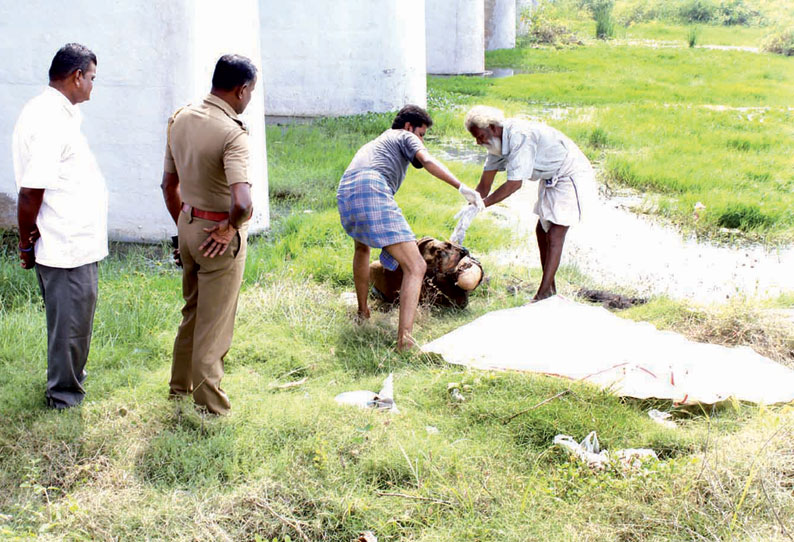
(372, 218)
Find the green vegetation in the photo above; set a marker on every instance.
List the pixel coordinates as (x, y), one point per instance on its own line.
(131, 465)
(781, 43)
(683, 125)
(692, 36)
(725, 22)
(602, 13)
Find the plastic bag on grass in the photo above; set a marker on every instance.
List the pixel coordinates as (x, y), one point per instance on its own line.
(384, 400)
(589, 451)
(662, 418)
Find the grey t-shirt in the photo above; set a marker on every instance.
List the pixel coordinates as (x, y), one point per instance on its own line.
(389, 154)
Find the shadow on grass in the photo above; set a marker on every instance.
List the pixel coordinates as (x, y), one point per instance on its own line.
(192, 450)
(370, 348)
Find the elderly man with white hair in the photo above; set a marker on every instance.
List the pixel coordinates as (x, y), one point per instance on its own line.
(529, 150)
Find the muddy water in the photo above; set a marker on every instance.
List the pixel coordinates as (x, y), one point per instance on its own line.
(620, 249)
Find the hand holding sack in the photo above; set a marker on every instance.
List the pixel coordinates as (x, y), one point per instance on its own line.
(465, 217)
(472, 196)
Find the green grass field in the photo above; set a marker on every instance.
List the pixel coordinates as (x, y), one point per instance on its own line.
(290, 464)
(680, 125)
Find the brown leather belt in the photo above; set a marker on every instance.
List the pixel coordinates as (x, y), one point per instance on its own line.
(215, 216)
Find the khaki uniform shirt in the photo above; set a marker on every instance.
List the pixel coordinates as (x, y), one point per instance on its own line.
(207, 148)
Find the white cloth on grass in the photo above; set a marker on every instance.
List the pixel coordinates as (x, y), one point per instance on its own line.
(631, 359)
(51, 153)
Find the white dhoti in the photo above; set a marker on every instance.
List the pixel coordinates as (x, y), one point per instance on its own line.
(563, 198)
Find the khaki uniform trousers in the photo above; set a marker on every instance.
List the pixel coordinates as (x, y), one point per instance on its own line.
(210, 287)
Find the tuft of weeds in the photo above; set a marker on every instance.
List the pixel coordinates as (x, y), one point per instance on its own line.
(598, 138)
(744, 217)
(605, 24)
(781, 43)
(693, 32)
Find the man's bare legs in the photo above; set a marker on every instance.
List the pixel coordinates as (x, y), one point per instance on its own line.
(413, 266)
(543, 248)
(361, 278)
(550, 245)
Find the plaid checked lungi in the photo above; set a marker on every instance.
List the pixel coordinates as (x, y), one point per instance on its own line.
(369, 213)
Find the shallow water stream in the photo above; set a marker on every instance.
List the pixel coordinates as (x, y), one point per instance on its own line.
(620, 249)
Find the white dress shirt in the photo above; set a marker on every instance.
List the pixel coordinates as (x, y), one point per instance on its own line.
(537, 152)
(530, 151)
(50, 152)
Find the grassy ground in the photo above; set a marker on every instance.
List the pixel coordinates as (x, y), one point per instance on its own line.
(736, 23)
(290, 464)
(129, 465)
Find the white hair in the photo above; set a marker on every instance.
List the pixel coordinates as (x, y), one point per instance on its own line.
(483, 116)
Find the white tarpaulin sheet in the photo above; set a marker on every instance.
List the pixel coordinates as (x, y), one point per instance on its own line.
(560, 337)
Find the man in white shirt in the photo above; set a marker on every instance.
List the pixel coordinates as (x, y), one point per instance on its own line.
(533, 151)
(62, 214)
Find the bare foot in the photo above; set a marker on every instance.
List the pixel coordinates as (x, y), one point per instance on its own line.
(361, 317)
(406, 344)
(543, 295)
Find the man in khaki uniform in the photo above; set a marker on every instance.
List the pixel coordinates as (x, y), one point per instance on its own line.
(207, 192)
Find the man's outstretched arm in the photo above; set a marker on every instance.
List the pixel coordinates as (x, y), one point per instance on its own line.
(507, 189)
(440, 171)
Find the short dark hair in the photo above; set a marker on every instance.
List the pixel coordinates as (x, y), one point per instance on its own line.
(70, 58)
(413, 114)
(231, 71)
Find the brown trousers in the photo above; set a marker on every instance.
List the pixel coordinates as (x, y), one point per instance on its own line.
(210, 287)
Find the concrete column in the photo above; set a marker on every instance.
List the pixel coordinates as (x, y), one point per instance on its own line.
(500, 24)
(455, 36)
(153, 57)
(325, 59)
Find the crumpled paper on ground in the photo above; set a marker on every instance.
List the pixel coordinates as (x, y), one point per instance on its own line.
(590, 452)
(384, 400)
(465, 217)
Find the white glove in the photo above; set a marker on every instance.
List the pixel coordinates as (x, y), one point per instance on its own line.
(472, 196)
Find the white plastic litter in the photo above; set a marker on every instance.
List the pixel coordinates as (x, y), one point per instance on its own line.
(559, 337)
(368, 399)
(348, 299)
(590, 452)
(465, 217)
(456, 396)
(662, 418)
